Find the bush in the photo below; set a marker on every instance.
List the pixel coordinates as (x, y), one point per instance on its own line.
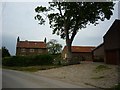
(27, 60)
(57, 59)
(43, 60)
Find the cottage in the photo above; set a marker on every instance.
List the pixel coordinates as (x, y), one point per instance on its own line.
(82, 52)
(24, 48)
(112, 44)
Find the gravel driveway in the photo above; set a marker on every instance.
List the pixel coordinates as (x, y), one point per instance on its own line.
(85, 74)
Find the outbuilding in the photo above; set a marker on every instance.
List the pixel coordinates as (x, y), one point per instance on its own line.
(112, 44)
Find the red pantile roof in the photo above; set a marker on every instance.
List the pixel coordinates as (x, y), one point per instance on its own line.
(31, 44)
(81, 48)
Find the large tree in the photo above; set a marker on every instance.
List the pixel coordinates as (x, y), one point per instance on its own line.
(54, 47)
(67, 18)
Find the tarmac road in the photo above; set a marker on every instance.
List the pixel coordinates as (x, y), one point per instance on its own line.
(0, 78)
(17, 79)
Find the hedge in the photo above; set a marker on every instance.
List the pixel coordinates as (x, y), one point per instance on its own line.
(27, 60)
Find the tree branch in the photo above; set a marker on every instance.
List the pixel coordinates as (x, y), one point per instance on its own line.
(75, 30)
(59, 8)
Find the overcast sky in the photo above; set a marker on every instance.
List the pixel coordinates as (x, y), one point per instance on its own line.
(18, 20)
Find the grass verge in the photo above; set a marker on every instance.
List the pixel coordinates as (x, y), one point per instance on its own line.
(32, 68)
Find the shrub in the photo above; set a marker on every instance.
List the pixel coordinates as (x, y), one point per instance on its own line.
(57, 59)
(43, 60)
(27, 60)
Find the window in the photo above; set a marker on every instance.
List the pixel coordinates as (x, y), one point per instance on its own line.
(40, 50)
(23, 50)
(31, 50)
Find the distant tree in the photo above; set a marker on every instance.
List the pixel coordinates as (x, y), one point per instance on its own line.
(67, 18)
(54, 47)
(5, 52)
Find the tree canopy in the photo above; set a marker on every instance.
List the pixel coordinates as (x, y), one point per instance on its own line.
(54, 47)
(5, 52)
(67, 18)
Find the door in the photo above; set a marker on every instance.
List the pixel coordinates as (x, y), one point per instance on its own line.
(111, 57)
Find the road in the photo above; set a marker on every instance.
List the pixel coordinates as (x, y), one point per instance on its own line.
(0, 77)
(17, 79)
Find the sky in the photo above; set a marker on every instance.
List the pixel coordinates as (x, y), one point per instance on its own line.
(17, 19)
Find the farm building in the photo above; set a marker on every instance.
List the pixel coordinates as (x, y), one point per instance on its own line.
(112, 44)
(110, 49)
(82, 52)
(98, 53)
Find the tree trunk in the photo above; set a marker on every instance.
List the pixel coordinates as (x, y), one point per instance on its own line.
(69, 51)
(68, 43)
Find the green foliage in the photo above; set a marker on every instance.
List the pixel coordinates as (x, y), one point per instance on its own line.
(66, 18)
(75, 15)
(58, 60)
(54, 47)
(27, 60)
(5, 52)
(44, 59)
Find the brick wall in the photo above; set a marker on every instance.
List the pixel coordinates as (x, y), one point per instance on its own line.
(30, 51)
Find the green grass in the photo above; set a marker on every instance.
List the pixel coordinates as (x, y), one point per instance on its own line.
(101, 68)
(32, 68)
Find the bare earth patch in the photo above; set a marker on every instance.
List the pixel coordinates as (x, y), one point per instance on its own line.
(86, 74)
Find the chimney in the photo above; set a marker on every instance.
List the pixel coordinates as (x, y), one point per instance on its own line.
(18, 39)
(45, 40)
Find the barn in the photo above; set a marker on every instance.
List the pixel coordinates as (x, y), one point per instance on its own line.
(80, 52)
(112, 44)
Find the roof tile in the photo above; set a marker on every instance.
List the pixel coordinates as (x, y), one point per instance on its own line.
(31, 44)
(81, 48)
